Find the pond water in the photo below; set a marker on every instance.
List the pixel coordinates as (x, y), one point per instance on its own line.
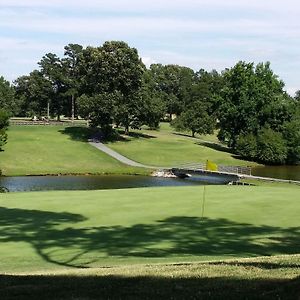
(282, 172)
(95, 182)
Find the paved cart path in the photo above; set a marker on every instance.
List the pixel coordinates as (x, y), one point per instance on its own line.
(118, 156)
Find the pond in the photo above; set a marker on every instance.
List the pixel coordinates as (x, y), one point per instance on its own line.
(282, 172)
(95, 182)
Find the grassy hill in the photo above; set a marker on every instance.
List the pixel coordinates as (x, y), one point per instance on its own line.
(165, 147)
(34, 150)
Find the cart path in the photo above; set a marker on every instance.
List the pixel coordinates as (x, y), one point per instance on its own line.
(118, 156)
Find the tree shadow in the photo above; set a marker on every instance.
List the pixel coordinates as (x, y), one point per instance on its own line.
(185, 135)
(78, 133)
(145, 287)
(259, 265)
(84, 134)
(216, 146)
(137, 135)
(52, 233)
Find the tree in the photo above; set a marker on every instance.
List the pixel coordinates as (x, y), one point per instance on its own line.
(252, 98)
(4, 122)
(71, 62)
(54, 71)
(271, 147)
(115, 68)
(99, 109)
(7, 97)
(196, 119)
(172, 84)
(34, 92)
(247, 146)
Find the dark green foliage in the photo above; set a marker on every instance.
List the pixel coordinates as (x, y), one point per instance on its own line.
(71, 64)
(271, 147)
(291, 134)
(53, 70)
(247, 146)
(195, 119)
(115, 68)
(172, 84)
(8, 101)
(99, 109)
(34, 92)
(252, 98)
(4, 122)
(268, 147)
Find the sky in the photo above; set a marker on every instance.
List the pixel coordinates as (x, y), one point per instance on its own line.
(208, 34)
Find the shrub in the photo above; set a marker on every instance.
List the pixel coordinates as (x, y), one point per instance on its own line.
(271, 147)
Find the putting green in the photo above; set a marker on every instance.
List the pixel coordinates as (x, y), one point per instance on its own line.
(52, 230)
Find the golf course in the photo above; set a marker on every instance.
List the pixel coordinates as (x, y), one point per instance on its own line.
(158, 242)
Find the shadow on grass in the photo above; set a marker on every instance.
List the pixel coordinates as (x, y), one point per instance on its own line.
(75, 246)
(185, 135)
(83, 134)
(145, 287)
(216, 146)
(78, 133)
(136, 135)
(258, 265)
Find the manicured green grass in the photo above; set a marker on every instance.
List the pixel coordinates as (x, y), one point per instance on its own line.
(165, 147)
(33, 150)
(58, 230)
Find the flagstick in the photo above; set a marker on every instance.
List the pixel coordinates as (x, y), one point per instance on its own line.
(203, 201)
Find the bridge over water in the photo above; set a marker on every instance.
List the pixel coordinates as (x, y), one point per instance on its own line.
(223, 173)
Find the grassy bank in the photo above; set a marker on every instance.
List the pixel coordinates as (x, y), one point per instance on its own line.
(58, 230)
(34, 150)
(165, 147)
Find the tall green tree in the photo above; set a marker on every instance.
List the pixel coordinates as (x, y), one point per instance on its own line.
(8, 100)
(54, 71)
(172, 84)
(71, 63)
(196, 119)
(252, 98)
(113, 68)
(34, 92)
(4, 122)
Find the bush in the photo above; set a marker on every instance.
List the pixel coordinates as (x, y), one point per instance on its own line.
(271, 147)
(247, 146)
(291, 133)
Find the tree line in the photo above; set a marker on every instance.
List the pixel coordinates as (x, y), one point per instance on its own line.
(110, 86)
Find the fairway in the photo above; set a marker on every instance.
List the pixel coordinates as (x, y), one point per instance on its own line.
(165, 147)
(40, 150)
(58, 230)
(35, 150)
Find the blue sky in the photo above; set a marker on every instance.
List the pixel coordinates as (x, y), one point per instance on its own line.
(209, 34)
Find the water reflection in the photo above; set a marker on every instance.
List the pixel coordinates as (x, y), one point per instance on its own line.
(46, 183)
(282, 172)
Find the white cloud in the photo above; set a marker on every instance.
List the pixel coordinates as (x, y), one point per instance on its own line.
(196, 33)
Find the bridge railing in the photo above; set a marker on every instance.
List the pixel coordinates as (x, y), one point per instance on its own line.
(220, 168)
(234, 170)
